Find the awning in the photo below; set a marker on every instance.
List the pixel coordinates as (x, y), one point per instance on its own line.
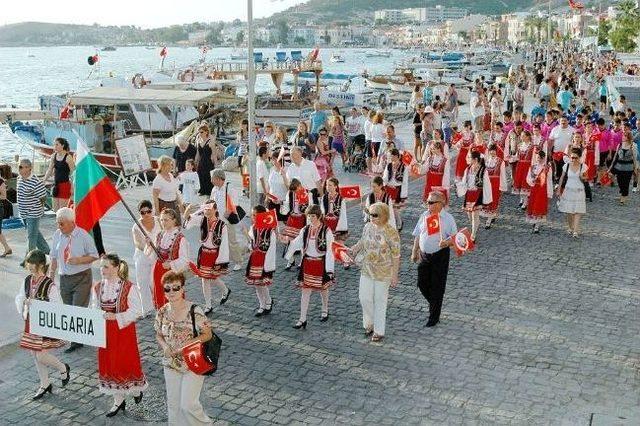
(8, 115)
(118, 96)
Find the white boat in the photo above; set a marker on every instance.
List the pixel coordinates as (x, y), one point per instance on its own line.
(377, 83)
(378, 54)
(401, 87)
(336, 58)
(238, 54)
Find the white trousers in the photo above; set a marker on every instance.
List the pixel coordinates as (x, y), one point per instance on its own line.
(206, 289)
(144, 280)
(183, 398)
(373, 299)
(44, 360)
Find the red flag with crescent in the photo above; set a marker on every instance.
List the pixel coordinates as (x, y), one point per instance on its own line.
(605, 179)
(341, 252)
(302, 196)
(432, 224)
(462, 242)
(266, 220)
(575, 5)
(457, 137)
(407, 158)
(350, 192)
(163, 52)
(245, 181)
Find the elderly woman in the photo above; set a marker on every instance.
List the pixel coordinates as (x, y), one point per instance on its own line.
(206, 157)
(165, 187)
(174, 327)
(119, 366)
(182, 152)
(380, 247)
(144, 265)
(61, 167)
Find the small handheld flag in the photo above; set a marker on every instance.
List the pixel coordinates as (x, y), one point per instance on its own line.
(350, 192)
(340, 252)
(462, 242)
(302, 196)
(575, 5)
(266, 220)
(432, 224)
(407, 158)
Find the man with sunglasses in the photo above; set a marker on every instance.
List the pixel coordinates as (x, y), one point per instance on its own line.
(431, 250)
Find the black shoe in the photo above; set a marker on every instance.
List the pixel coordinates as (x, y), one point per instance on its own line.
(324, 317)
(225, 297)
(289, 265)
(66, 379)
(22, 264)
(41, 391)
(267, 311)
(300, 325)
(114, 410)
(536, 230)
(368, 332)
(259, 312)
(432, 323)
(208, 310)
(73, 347)
(138, 398)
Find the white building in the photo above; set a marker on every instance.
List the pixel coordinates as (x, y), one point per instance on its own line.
(441, 14)
(198, 37)
(306, 33)
(434, 14)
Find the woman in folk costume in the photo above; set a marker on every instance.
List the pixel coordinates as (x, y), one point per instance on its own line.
(539, 178)
(262, 262)
(38, 286)
(316, 272)
(577, 142)
(379, 195)
(463, 145)
(213, 255)
(334, 209)
(396, 183)
(592, 151)
(498, 177)
(144, 264)
(436, 167)
(295, 204)
(476, 189)
(523, 157)
(172, 253)
(538, 140)
(498, 138)
(119, 367)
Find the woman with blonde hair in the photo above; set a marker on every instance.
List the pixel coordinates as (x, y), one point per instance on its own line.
(165, 187)
(379, 248)
(119, 366)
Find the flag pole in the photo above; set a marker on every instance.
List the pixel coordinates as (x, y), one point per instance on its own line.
(140, 227)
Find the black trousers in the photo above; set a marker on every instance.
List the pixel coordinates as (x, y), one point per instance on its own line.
(624, 179)
(432, 280)
(558, 165)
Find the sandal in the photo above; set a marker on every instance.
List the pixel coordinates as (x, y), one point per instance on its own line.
(6, 253)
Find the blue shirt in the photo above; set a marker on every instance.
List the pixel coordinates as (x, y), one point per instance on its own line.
(565, 99)
(603, 89)
(539, 110)
(317, 118)
(427, 95)
(431, 243)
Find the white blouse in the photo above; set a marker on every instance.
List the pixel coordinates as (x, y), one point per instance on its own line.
(110, 291)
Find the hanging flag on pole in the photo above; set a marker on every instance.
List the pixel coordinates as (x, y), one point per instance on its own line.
(94, 194)
(163, 52)
(576, 5)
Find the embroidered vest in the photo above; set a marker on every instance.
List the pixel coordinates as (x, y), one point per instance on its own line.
(42, 291)
(321, 239)
(171, 253)
(335, 204)
(120, 303)
(216, 237)
(261, 239)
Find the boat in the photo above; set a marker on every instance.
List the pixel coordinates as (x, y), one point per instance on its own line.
(378, 54)
(336, 58)
(238, 55)
(406, 87)
(108, 49)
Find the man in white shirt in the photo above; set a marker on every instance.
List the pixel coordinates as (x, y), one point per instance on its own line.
(219, 195)
(559, 139)
(477, 111)
(355, 128)
(306, 172)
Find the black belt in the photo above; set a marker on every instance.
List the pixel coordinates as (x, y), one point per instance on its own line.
(428, 256)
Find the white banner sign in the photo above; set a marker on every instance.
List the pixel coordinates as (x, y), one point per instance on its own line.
(342, 99)
(67, 322)
(625, 80)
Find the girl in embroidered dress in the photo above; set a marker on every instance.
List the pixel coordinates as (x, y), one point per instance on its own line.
(396, 181)
(538, 141)
(213, 255)
(119, 367)
(436, 167)
(295, 204)
(539, 178)
(592, 148)
(316, 272)
(577, 142)
(378, 195)
(38, 286)
(334, 209)
(262, 263)
(475, 187)
(498, 177)
(522, 157)
(173, 249)
(463, 145)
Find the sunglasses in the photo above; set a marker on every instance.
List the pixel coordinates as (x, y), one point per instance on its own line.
(432, 202)
(575, 158)
(374, 215)
(144, 211)
(174, 289)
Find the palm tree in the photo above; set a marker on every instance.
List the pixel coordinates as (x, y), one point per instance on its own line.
(535, 24)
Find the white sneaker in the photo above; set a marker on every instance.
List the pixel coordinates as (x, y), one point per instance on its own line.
(237, 267)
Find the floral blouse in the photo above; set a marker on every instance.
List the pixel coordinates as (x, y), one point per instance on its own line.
(378, 247)
(176, 333)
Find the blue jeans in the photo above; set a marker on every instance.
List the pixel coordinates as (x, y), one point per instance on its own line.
(34, 236)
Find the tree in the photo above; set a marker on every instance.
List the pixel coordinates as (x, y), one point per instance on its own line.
(299, 40)
(282, 29)
(535, 25)
(604, 28)
(214, 36)
(625, 28)
(239, 38)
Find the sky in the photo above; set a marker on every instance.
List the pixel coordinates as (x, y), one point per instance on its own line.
(141, 13)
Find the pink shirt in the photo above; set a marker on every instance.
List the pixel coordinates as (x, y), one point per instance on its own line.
(508, 127)
(545, 128)
(605, 140)
(615, 140)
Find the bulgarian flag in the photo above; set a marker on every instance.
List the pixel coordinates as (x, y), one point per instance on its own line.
(93, 194)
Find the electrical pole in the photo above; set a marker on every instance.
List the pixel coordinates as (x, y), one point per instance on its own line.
(251, 104)
(548, 61)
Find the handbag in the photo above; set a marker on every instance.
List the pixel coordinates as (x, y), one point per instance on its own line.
(238, 212)
(202, 358)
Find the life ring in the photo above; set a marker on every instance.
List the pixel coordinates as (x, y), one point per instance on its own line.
(138, 81)
(186, 76)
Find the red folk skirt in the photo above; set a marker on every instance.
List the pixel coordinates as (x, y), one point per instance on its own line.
(255, 274)
(207, 267)
(295, 222)
(592, 170)
(491, 210)
(33, 342)
(472, 200)
(461, 163)
(538, 205)
(62, 190)
(520, 185)
(432, 179)
(119, 367)
(312, 274)
(159, 299)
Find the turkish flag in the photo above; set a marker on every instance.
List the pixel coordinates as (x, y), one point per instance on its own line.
(457, 137)
(432, 223)
(341, 252)
(462, 242)
(605, 179)
(573, 4)
(350, 192)
(302, 196)
(407, 158)
(163, 52)
(266, 220)
(245, 181)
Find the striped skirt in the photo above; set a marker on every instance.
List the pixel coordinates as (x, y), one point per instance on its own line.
(37, 343)
(255, 274)
(312, 274)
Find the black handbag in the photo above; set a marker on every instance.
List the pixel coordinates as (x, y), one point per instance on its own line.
(210, 348)
(234, 217)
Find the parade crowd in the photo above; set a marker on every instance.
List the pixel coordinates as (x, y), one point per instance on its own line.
(571, 143)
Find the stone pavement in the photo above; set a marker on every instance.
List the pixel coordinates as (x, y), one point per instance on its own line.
(536, 329)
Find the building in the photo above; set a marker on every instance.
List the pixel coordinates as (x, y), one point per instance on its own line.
(303, 34)
(436, 14)
(441, 14)
(392, 16)
(516, 30)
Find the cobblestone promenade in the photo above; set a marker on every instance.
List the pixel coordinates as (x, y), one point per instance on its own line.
(536, 329)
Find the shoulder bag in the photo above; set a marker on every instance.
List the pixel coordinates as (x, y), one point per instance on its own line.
(202, 358)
